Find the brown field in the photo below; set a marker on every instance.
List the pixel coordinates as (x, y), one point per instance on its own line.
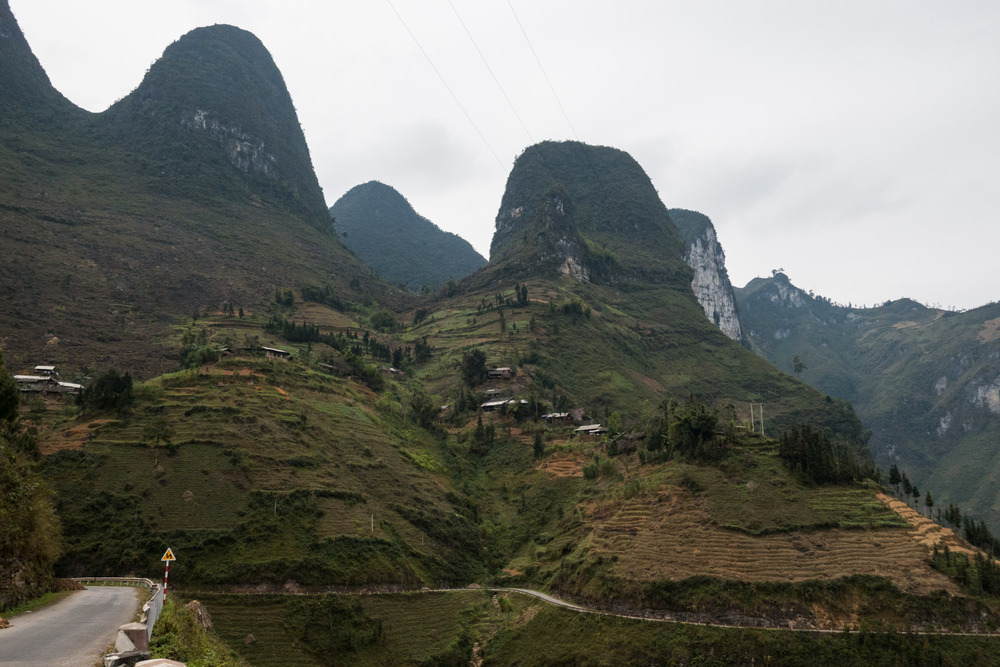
(670, 535)
(563, 466)
(71, 438)
(925, 531)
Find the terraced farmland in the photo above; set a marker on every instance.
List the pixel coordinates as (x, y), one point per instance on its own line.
(671, 535)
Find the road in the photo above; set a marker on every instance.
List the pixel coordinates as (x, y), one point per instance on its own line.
(72, 633)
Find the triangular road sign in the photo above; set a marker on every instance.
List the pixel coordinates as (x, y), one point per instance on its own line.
(169, 555)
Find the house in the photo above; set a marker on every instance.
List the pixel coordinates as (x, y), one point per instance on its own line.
(501, 373)
(491, 406)
(46, 383)
(557, 416)
(45, 370)
(275, 353)
(591, 429)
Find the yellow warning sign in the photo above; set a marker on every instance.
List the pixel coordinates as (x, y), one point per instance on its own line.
(169, 555)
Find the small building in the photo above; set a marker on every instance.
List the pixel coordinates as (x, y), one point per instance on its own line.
(491, 406)
(591, 429)
(557, 417)
(489, 393)
(275, 353)
(501, 373)
(45, 370)
(46, 383)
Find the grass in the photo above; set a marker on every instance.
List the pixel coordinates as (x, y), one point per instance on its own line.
(415, 628)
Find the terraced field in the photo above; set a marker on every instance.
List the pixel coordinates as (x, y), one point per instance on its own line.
(671, 535)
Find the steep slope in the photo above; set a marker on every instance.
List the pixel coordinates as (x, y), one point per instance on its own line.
(194, 191)
(383, 230)
(586, 211)
(711, 280)
(925, 381)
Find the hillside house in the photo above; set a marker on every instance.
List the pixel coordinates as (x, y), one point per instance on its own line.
(45, 370)
(590, 429)
(275, 353)
(492, 406)
(502, 373)
(47, 384)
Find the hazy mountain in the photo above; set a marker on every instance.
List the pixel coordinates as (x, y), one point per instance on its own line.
(383, 230)
(925, 381)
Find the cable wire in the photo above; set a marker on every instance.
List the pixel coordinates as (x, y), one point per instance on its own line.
(537, 60)
(450, 91)
(495, 79)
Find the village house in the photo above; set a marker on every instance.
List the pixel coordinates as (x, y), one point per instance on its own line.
(501, 373)
(275, 353)
(590, 429)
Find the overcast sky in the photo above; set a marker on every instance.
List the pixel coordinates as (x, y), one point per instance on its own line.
(854, 144)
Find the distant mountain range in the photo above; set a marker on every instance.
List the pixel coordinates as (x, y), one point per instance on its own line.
(405, 248)
(925, 381)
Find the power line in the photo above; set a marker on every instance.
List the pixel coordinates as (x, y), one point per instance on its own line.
(448, 88)
(537, 60)
(495, 79)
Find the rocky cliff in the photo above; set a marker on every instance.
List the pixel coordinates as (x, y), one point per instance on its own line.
(711, 285)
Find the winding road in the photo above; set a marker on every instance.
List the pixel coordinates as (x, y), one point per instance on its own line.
(71, 633)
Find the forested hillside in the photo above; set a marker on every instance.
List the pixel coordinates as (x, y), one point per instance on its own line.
(383, 230)
(925, 381)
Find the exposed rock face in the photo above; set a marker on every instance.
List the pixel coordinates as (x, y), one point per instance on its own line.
(588, 212)
(711, 285)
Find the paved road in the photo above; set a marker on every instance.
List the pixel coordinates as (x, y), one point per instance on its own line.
(72, 633)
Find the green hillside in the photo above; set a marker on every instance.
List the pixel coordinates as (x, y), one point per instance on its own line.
(925, 381)
(287, 423)
(117, 224)
(383, 230)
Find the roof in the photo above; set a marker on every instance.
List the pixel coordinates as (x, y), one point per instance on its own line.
(45, 368)
(31, 378)
(591, 428)
(275, 350)
(70, 385)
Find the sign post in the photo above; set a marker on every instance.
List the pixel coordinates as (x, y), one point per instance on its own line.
(167, 557)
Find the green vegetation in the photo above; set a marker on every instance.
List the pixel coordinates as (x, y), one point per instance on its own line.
(383, 230)
(29, 530)
(922, 379)
(558, 636)
(178, 635)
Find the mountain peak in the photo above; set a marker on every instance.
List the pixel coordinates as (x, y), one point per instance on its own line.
(587, 211)
(217, 87)
(27, 92)
(380, 226)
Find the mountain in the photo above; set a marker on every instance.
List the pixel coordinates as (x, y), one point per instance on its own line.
(586, 211)
(711, 285)
(383, 230)
(194, 191)
(341, 435)
(925, 381)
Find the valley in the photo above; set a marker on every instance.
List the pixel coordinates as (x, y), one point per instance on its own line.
(358, 468)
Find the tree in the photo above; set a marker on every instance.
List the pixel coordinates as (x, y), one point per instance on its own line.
(539, 446)
(473, 367)
(798, 366)
(894, 478)
(928, 501)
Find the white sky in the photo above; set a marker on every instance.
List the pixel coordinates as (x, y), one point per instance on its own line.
(855, 144)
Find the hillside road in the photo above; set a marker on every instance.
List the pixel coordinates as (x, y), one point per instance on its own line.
(72, 633)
